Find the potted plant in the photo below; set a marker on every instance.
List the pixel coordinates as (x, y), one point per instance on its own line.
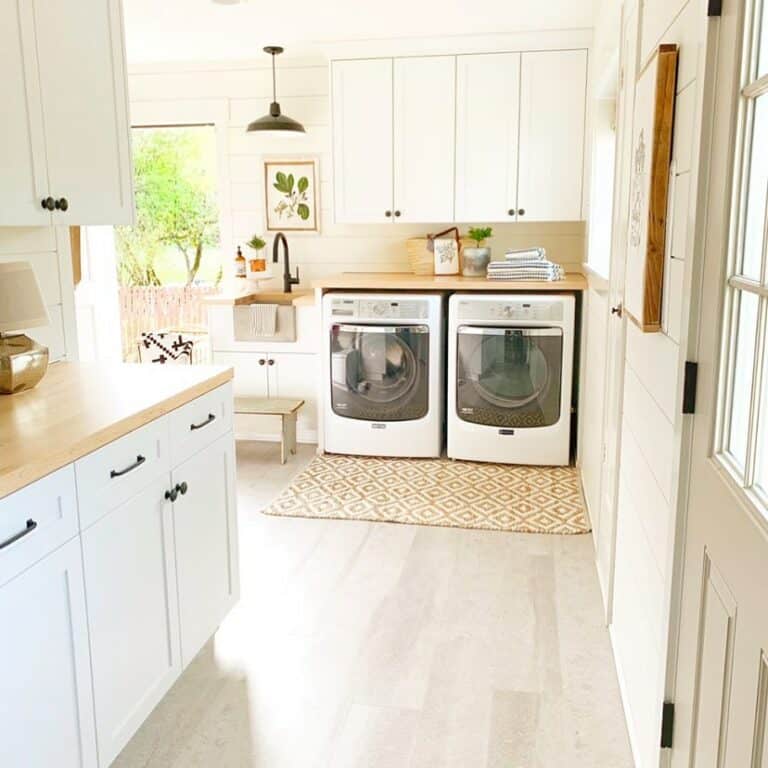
(257, 263)
(475, 263)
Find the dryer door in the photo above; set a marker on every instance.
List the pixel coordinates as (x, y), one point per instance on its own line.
(380, 372)
(509, 377)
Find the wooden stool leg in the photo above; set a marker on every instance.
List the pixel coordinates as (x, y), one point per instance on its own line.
(290, 432)
(283, 439)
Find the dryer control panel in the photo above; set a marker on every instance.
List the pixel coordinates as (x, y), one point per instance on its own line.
(379, 309)
(501, 311)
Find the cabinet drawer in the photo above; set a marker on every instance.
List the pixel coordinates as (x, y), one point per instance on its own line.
(36, 520)
(197, 424)
(113, 474)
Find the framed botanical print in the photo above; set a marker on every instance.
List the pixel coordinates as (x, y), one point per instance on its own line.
(291, 195)
(649, 192)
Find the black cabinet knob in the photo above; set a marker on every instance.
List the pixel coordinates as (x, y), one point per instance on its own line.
(388, 214)
(171, 495)
(61, 204)
(48, 203)
(262, 361)
(182, 488)
(521, 211)
(270, 361)
(397, 213)
(511, 211)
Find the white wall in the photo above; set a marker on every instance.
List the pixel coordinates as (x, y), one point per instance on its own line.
(651, 422)
(231, 96)
(47, 249)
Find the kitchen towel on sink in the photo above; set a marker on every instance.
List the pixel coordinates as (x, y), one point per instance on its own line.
(263, 319)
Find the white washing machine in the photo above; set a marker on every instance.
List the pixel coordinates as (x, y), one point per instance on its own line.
(510, 367)
(382, 374)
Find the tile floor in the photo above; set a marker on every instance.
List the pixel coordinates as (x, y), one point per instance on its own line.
(392, 646)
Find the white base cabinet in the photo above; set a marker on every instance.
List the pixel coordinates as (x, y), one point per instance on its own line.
(103, 604)
(45, 696)
(133, 618)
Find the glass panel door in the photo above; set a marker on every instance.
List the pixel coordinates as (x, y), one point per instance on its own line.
(380, 373)
(509, 377)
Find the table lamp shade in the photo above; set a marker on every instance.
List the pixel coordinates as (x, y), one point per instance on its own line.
(21, 303)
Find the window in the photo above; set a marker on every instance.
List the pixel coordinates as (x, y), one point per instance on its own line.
(742, 442)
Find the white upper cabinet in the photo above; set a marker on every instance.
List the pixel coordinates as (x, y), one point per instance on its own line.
(23, 166)
(552, 114)
(487, 119)
(424, 138)
(490, 137)
(65, 140)
(362, 140)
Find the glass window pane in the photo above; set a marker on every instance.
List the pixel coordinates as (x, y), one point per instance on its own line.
(757, 165)
(762, 58)
(743, 369)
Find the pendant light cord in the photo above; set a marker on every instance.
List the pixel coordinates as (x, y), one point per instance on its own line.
(274, 81)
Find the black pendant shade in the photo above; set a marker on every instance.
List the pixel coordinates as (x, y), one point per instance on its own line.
(275, 120)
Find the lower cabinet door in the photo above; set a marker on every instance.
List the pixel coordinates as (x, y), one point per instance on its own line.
(205, 524)
(130, 584)
(45, 694)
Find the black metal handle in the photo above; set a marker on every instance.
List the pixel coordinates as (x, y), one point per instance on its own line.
(119, 472)
(205, 423)
(397, 213)
(48, 203)
(270, 361)
(262, 361)
(61, 204)
(521, 211)
(171, 495)
(182, 487)
(388, 214)
(31, 525)
(511, 211)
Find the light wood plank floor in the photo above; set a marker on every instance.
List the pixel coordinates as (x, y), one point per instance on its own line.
(391, 646)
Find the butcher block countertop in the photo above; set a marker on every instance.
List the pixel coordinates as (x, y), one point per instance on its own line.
(402, 281)
(238, 297)
(78, 408)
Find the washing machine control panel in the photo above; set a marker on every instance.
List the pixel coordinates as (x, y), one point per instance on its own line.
(379, 309)
(501, 311)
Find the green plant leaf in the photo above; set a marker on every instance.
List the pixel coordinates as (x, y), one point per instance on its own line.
(303, 184)
(290, 183)
(303, 211)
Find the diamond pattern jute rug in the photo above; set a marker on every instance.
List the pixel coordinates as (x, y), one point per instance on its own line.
(443, 492)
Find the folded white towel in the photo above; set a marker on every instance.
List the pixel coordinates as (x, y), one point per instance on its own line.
(526, 254)
(264, 319)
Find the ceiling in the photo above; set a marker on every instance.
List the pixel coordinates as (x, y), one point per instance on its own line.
(191, 30)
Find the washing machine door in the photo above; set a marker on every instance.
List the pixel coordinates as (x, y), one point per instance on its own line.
(380, 372)
(509, 377)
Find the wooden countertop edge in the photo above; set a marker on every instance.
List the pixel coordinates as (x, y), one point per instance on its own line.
(17, 478)
(243, 299)
(573, 281)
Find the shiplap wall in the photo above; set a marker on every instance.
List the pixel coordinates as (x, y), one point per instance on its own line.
(231, 96)
(651, 421)
(49, 255)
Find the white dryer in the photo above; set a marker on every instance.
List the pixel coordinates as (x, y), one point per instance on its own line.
(510, 367)
(382, 374)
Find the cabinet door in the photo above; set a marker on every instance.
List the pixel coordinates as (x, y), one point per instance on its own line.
(296, 376)
(133, 617)
(85, 108)
(487, 121)
(23, 176)
(424, 139)
(362, 140)
(45, 696)
(205, 524)
(552, 110)
(250, 379)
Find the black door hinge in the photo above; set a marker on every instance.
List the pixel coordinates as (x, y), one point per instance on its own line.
(667, 724)
(715, 8)
(689, 387)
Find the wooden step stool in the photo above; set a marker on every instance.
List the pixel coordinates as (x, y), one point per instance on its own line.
(286, 409)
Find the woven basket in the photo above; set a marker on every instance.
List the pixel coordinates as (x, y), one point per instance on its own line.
(422, 260)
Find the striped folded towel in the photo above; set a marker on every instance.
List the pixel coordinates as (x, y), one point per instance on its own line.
(543, 270)
(526, 254)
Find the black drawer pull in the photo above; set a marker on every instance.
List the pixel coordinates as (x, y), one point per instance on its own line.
(31, 525)
(171, 495)
(202, 424)
(119, 472)
(182, 487)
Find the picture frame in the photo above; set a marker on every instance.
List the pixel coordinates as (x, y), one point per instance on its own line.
(649, 190)
(291, 194)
